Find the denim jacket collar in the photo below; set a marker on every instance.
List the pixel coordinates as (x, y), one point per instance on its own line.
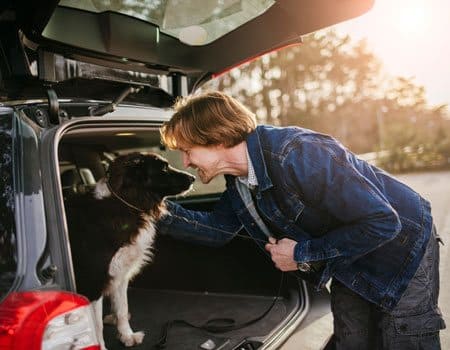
(256, 156)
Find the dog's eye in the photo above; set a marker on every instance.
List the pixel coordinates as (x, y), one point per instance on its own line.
(165, 168)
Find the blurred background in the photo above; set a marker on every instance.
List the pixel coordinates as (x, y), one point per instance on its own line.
(381, 85)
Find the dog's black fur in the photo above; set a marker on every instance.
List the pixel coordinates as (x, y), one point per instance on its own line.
(123, 206)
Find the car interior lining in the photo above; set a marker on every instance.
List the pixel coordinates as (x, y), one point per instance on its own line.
(184, 281)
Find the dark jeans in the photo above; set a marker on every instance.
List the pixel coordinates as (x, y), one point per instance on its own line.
(413, 324)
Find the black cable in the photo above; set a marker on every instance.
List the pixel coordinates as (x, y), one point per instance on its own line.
(216, 325)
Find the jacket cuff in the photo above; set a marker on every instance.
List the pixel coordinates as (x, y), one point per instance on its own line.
(301, 251)
(314, 250)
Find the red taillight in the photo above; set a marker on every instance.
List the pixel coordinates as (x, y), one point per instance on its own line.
(26, 320)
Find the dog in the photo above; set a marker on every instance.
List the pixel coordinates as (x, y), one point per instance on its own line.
(112, 229)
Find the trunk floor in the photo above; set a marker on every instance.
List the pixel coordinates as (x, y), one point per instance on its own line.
(151, 309)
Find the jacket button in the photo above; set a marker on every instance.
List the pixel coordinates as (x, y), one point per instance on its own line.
(252, 224)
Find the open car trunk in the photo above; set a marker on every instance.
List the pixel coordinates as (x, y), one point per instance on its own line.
(197, 284)
(186, 281)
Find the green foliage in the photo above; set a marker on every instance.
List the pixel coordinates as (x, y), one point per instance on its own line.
(421, 143)
(336, 86)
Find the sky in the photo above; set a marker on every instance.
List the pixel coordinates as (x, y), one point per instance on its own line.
(412, 39)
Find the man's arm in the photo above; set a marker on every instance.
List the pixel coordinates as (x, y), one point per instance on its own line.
(213, 228)
(323, 176)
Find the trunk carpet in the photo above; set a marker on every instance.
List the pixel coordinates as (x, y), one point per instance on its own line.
(151, 309)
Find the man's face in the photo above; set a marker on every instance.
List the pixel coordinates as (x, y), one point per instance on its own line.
(206, 159)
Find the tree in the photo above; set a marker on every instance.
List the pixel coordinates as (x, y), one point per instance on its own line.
(323, 84)
(334, 85)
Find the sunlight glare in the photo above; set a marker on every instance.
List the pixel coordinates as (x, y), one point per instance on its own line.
(413, 19)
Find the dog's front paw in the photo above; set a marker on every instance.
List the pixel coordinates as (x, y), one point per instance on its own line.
(132, 339)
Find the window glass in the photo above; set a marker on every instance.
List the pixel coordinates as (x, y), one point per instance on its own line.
(84, 171)
(8, 243)
(195, 22)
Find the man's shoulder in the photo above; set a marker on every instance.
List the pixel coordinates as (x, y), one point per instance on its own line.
(283, 139)
(281, 146)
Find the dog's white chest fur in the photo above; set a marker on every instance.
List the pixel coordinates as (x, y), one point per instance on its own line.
(130, 259)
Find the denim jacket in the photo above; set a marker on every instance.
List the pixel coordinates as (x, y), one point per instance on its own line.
(368, 230)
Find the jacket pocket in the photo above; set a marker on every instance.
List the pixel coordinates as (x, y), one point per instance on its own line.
(289, 206)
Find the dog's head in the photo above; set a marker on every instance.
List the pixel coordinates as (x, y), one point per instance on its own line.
(143, 180)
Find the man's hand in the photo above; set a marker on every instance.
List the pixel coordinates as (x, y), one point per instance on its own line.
(282, 253)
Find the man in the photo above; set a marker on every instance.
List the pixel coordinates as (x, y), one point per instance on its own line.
(322, 211)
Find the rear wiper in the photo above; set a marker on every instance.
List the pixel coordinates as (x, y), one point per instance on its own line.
(111, 107)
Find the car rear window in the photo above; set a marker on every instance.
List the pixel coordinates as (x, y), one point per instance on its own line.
(195, 22)
(8, 246)
(93, 145)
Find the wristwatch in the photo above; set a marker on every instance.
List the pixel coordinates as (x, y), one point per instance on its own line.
(303, 267)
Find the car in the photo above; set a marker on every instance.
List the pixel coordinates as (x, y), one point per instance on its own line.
(82, 82)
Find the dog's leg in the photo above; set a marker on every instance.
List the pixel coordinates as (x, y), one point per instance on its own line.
(119, 304)
(111, 318)
(97, 306)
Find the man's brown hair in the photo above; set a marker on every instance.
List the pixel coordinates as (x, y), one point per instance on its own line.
(211, 118)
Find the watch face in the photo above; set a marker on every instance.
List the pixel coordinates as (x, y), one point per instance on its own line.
(303, 267)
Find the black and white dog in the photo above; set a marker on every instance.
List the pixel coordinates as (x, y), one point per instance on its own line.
(112, 231)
